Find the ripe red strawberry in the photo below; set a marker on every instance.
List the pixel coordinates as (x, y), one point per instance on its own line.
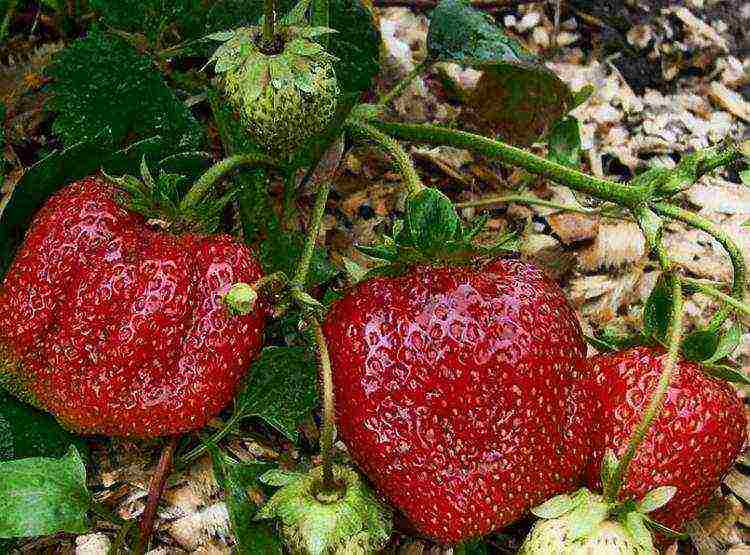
(692, 445)
(458, 392)
(119, 329)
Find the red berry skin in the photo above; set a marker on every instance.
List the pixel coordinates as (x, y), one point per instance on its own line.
(459, 395)
(120, 329)
(692, 445)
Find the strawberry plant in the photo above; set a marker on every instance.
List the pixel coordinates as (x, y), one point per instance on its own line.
(177, 306)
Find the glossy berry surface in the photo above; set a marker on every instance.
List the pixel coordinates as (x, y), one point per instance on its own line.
(458, 392)
(119, 329)
(692, 445)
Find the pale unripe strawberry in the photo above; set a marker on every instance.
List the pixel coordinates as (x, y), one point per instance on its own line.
(283, 97)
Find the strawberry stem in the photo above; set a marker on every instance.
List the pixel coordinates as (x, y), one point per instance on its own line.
(536, 201)
(603, 189)
(216, 172)
(269, 23)
(316, 220)
(405, 82)
(328, 433)
(712, 291)
(155, 491)
(735, 253)
(669, 362)
(393, 148)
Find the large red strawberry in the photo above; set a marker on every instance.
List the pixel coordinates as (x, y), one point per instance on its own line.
(458, 392)
(120, 329)
(693, 443)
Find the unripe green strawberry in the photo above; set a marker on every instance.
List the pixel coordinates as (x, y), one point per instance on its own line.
(284, 97)
(585, 524)
(552, 537)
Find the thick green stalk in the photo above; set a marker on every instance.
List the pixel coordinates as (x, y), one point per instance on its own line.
(269, 24)
(405, 82)
(328, 433)
(217, 172)
(316, 221)
(669, 362)
(735, 254)
(391, 147)
(603, 189)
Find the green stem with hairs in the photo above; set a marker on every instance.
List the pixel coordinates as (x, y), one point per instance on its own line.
(316, 221)
(217, 172)
(712, 291)
(326, 377)
(269, 24)
(603, 189)
(521, 199)
(669, 362)
(393, 148)
(328, 433)
(735, 254)
(400, 87)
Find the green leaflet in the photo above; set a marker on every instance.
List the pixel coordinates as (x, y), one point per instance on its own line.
(101, 83)
(517, 97)
(41, 496)
(281, 389)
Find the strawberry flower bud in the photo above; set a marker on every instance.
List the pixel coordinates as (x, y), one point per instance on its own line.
(241, 299)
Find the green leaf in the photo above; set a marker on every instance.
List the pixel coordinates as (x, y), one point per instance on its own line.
(727, 373)
(700, 345)
(102, 83)
(473, 547)
(656, 498)
(357, 523)
(663, 530)
(565, 142)
(33, 433)
(156, 19)
(356, 44)
(586, 517)
(658, 310)
(230, 14)
(635, 525)
(709, 347)
(237, 480)
(727, 344)
(517, 97)
(41, 496)
(458, 33)
(281, 389)
(554, 507)
(6, 440)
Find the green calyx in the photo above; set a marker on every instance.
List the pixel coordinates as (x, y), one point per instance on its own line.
(284, 98)
(432, 232)
(159, 199)
(346, 521)
(583, 522)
